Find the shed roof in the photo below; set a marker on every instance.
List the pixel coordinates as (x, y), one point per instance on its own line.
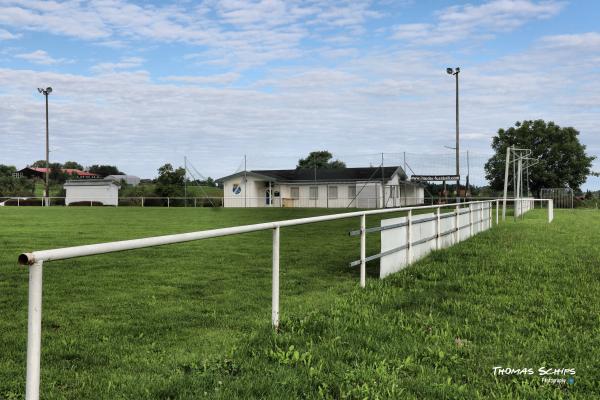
(91, 182)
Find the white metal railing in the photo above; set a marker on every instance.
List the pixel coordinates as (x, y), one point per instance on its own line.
(36, 259)
(240, 202)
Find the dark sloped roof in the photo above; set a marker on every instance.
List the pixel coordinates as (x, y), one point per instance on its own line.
(342, 174)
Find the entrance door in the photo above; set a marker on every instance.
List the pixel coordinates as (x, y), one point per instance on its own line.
(268, 199)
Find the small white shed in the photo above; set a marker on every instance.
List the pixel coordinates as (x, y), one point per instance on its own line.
(105, 191)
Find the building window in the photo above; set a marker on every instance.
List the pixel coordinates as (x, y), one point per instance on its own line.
(332, 192)
(236, 189)
(295, 192)
(351, 192)
(313, 192)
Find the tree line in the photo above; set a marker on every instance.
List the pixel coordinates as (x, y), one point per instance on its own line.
(170, 182)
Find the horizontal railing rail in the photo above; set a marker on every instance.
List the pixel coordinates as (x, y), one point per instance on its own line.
(36, 259)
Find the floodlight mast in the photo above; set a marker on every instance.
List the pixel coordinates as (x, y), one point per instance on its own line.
(455, 72)
(46, 92)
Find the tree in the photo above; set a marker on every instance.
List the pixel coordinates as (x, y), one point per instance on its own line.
(39, 164)
(320, 159)
(73, 165)
(7, 170)
(170, 181)
(104, 170)
(56, 173)
(562, 158)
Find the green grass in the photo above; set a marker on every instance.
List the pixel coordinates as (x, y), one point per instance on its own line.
(193, 320)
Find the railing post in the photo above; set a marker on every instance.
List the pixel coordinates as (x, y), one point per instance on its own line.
(34, 332)
(437, 229)
(168, 202)
(275, 294)
(480, 217)
(142, 202)
(363, 250)
(408, 237)
(470, 219)
(194, 202)
(497, 213)
(457, 225)
(550, 210)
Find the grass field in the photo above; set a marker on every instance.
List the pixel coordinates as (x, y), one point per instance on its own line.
(192, 320)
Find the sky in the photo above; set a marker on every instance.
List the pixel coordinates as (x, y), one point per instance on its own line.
(140, 84)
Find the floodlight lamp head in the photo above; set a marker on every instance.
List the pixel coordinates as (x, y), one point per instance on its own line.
(40, 90)
(457, 71)
(449, 71)
(48, 90)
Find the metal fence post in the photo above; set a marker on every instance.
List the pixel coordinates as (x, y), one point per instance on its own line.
(550, 210)
(363, 250)
(480, 217)
(497, 213)
(142, 202)
(470, 220)
(437, 229)
(408, 237)
(275, 294)
(168, 202)
(194, 202)
(34, 332)
(457, 225)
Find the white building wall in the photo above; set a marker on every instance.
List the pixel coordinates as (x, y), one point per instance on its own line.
(368, 194)
(108, 195)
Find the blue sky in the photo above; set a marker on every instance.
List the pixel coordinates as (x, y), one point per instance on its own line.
(138, 84)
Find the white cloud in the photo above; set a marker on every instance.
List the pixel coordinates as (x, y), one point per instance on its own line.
(233, 32)
(220, 79)
(6, 35)
(124, 63)
(589, 41)
(481, 21)
(41, 57)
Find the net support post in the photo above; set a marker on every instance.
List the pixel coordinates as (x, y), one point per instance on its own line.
(34, 332)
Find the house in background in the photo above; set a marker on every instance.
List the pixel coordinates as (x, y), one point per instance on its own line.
(105, 191)
(372, 187)
(128, 179)
(31, 172)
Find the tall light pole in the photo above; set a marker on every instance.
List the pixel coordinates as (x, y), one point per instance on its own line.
(455, 72)
(46, 92)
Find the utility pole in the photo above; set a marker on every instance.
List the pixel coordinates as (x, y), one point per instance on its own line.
(46, 92)
(455, 72)
(245, 183)
(185, 180)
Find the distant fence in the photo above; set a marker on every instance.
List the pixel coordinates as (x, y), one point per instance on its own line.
(562, 197)
(35, 260)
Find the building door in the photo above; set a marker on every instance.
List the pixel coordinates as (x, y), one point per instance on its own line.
(268, 199)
